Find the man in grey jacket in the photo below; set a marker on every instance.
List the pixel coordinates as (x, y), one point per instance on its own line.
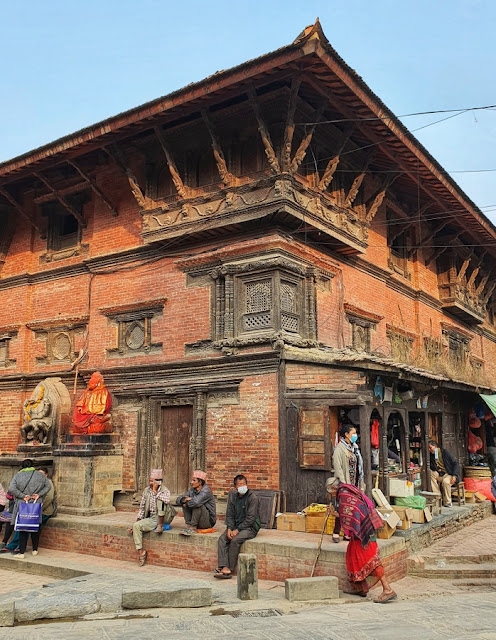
(198, 505)
(242, 522)
(28, 484)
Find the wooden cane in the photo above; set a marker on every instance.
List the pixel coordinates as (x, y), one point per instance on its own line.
(319, 548)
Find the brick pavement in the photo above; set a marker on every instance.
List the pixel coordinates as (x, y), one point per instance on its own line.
(479, 539)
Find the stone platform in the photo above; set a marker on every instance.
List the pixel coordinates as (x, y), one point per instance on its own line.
(280, 554)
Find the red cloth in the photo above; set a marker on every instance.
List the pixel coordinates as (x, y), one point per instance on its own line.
(483, 485)
(362, 561)
(374, 434)
(358, 516)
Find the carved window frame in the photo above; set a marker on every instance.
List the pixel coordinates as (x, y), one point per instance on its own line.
(401, 345)
(458, 347)
(60, 341)
(358, 325)
(398, 255)
(279, 318)
(61, 246)
(5, 360)
(129, 321)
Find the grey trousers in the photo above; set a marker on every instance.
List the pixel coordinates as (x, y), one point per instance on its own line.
(140, 526)
(197, 518)
(228, 550)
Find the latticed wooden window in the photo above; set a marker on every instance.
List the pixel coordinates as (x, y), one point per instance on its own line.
(258, 305)
(289, 307)
(134, 334)
(314, 438)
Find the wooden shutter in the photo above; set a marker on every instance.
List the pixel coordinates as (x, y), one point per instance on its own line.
(314, 438)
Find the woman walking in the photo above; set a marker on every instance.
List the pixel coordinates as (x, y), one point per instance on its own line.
(359, 521)
(27, 485)
(347, 464)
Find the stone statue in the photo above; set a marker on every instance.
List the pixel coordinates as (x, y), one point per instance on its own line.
(38, 418)
(91, 413)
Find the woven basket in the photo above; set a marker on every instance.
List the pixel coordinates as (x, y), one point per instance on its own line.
(477, 472)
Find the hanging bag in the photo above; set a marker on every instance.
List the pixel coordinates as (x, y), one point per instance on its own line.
(28, 517)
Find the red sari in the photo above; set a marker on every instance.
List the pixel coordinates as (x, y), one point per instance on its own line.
(359, 520)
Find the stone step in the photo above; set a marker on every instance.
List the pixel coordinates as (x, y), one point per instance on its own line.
(441, 561)
(455, 571)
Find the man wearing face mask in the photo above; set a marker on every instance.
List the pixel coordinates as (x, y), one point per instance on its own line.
(242, 522)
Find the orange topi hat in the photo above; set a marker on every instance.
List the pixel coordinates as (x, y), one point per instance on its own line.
(201, 475)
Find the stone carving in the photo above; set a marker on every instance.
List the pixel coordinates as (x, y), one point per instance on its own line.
(42, 412)
(91, 413)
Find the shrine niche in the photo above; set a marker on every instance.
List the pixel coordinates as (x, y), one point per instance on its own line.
(44, 412)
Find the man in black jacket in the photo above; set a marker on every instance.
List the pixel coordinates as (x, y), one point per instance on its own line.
(242, 522)
(445, 471)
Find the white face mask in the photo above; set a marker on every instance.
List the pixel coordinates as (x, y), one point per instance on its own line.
(242, 490)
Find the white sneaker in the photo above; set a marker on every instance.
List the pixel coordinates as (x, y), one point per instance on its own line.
(19, 556)
(34, 553)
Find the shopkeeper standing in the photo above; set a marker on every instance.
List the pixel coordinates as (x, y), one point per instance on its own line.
(347, 464)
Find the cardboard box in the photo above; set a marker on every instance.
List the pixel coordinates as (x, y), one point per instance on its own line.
(391, 519)
(314, 520)
(419, 516)
(401, 488)
(405, 514)
(291, 522)
(479, 497)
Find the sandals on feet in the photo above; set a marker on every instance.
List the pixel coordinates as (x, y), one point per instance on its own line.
(355, 592)
(336, 538)
(186, 532)
(388, 597)
(142, 559)
(218, 573)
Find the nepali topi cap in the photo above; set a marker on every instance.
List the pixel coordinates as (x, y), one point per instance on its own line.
(156, 474)
(201, 475)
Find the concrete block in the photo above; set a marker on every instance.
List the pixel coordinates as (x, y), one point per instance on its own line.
(64, 605)
(187, 593)
(7, 613)
(247, 577)
(320, 588)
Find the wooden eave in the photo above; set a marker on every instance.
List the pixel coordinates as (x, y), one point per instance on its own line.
(310, 53)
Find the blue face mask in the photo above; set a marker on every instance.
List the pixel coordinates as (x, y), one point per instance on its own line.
(354, 438)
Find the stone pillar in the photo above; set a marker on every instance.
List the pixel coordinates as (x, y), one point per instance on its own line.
(247, 576)
(88, 470)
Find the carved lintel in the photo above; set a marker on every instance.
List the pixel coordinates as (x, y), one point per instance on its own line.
(290, 125)
(489, 292)
(94, 187)
(181, 189)
(18, 208)
(307, 139)
(58, 196)
(264, 133)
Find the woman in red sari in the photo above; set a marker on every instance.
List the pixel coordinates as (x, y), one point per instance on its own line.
(360, 521)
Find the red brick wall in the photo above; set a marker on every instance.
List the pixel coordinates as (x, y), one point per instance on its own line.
(244, 438)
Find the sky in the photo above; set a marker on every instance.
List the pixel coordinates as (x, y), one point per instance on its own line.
(69, 64)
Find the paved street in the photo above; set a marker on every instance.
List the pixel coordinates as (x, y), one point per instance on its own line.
(460, 617)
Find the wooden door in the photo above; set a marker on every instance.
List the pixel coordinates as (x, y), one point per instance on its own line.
(449, 438)
(301, 485)
(177, 424)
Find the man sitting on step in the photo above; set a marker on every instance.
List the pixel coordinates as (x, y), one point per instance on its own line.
(151, 512)
(445, 471)
(198, 506)
(242, 522)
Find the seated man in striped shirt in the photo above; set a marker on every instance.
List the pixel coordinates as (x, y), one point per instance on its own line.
(150, 513)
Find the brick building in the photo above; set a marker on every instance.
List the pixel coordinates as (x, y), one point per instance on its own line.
(250, 261)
